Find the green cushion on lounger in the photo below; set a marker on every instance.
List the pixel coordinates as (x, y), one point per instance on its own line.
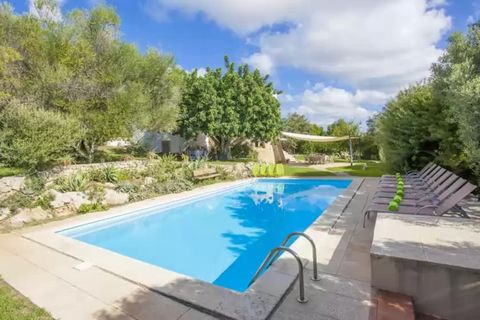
(393, 206)
(400, 193)
(397, 198)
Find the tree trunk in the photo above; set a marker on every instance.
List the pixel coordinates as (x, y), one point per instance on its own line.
(225, 149)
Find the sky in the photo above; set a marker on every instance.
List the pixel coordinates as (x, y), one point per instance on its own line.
(331, 59)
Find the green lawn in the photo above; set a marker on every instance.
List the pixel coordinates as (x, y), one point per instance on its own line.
(373, 169)
(297, 171)
(14, 306)
(299, 157)
(9, 171)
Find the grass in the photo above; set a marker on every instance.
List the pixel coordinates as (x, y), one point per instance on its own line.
(295, 171)
(299, 157)
(9, 171)
(14, 306)
(373, 169)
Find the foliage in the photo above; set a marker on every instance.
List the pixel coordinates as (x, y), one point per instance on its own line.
(366, 147)
(33, 138)
(44, 200)
(244, 151)
(298, 123)
(362, 169)
(413, 129)
(456, 83)
(78, 66)
(296, 171)
(18, 200)
(341, 128)
(13, 306)
(75, 182)
(91, 207)
(10, 171)
(106, 174)
(35, 183)
(229, 107)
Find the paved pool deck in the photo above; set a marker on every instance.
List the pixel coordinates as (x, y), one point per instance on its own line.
(68, 289)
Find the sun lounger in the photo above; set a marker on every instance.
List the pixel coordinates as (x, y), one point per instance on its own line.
(412, 173)
(419, 185)
(434, 197)
(432, 209)
(416, 179)
(437, 188)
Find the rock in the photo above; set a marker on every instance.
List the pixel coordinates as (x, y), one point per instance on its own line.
(64, 211)
(26, 215)
(4, 213)
(149, 180)
(115, 198)
(67, 199)
(10, 185)
(109, 185)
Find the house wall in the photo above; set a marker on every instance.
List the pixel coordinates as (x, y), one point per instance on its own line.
(153, 141)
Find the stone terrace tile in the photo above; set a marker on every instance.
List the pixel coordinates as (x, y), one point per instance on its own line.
(344, 291)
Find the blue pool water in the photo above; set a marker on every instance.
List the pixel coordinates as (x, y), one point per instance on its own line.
(221, 238)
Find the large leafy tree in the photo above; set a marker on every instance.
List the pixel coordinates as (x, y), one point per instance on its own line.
(413, 129)
(456, 83)
(78, 66)
(229, 106)
(298, 123)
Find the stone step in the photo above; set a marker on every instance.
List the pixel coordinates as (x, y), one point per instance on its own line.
(393, 306)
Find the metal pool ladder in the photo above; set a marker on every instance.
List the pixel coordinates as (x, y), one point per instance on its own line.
(275, 252)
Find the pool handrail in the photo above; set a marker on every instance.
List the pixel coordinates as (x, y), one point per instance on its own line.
(301, 283)
(314, 251)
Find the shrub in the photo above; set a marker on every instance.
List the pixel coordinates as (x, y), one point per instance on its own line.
(130, 188)
(44, 201)
(91, 207)
(263, 170)
(76, 182)
(107, 174)
(256, 170)
(18, 200)
(34, 138)
(279, 170)
(271, 170)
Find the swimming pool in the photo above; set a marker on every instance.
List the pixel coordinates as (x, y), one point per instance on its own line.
(221, 238)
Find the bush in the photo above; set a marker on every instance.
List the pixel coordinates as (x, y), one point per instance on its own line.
(107, 174)
(76, 182)
(34, 138)
(91, 207)
(18, 200)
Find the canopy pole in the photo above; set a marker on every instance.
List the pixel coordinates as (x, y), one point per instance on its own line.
(351, 150)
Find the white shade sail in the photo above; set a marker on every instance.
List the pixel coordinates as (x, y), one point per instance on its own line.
(308, 137)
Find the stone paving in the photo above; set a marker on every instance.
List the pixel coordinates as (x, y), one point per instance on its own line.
(71, 292)
(344, 291)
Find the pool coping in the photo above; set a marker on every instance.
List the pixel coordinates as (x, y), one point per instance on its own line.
(257, 302)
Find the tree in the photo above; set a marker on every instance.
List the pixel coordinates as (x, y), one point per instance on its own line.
(78, 66)
(33, 138)
(456, 83)
(341, 128)
(412, 129)
(229, 107)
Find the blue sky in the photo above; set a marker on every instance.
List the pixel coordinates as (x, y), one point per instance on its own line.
(331, 59)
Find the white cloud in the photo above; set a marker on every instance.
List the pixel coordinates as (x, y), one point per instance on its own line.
(260, 61)
(325, 104)
(201, 72)
(368, 44)
(46, 12)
